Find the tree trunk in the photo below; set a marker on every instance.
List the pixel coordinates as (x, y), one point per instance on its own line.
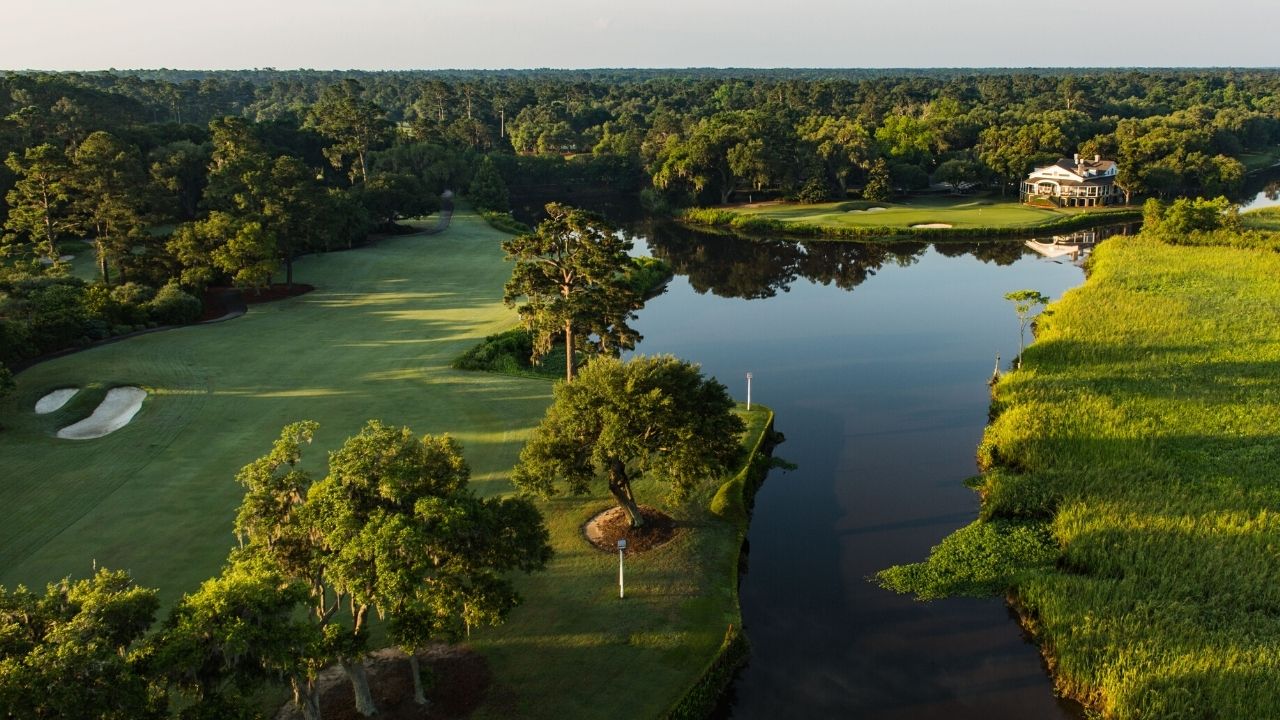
(360, 686)
(102, 263)
(568, 351)
(620, 488)
(306, 697)
(419, 695)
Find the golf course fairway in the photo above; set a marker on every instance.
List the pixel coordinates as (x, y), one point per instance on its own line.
(158, 496)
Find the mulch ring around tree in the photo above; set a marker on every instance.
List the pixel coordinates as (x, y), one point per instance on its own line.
(457, 680)
(607, 528)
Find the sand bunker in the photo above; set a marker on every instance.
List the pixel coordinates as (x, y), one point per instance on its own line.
(115, 411)
(63, 258)
(932, 225)
(870, 209)
(55, 400)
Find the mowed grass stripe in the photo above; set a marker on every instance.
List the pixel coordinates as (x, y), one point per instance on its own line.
(373, 341)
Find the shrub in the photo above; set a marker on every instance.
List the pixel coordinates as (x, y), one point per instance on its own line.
(173, 306)
(814, 191)
(504, 352)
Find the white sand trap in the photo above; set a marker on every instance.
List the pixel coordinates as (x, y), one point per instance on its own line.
(870, 209)
(114, 412)
(932, 225)
(63, 258)
(55, 400)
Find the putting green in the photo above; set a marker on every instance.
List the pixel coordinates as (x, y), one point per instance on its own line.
(158, 497)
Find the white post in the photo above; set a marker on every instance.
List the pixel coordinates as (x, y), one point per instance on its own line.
(748, 391)
(622, 588)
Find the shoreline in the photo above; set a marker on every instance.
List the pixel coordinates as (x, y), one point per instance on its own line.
(753, 225)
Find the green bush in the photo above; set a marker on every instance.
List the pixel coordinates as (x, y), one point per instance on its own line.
(504, 222)
(173, 306)
(979, 559)
(647, 275)
(814, 191)
(498, 353)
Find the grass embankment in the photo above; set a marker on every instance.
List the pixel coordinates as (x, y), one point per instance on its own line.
(965, 217)
(1131, 488)
(575, 650)
(374, 340)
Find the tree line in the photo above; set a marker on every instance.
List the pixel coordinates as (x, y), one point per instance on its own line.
(392, 530)
(181, 179)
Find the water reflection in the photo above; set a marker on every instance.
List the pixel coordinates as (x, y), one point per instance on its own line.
(874, 357)
(732, 267)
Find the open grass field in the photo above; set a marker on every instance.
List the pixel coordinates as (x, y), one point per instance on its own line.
(1144, 436)
(374, 340)
(958, 212)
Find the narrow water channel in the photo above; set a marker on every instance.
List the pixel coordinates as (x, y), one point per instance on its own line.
(875, 359)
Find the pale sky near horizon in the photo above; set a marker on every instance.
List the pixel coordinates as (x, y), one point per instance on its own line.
(429, 34)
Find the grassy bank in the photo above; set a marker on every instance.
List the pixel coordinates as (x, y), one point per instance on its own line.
(575, 650)
(964, 217)
(1130, 493)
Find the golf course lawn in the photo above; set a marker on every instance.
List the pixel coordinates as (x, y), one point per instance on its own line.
(961, 212)
(374, 340)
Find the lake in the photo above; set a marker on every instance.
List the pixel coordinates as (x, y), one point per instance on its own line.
(875, 358)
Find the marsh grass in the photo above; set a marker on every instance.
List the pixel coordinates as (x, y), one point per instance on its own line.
(1143, 436)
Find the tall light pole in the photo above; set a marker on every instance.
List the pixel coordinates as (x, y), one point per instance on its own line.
(622, 588)
(748, 391)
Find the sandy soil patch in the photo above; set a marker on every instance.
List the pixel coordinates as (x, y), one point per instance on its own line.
(607, 528)
(55, 400)
(932, 225)
(114, 412)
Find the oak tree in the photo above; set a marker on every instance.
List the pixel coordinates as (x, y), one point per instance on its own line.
(656, 416)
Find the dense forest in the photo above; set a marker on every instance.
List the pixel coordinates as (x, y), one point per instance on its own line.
(187, 179)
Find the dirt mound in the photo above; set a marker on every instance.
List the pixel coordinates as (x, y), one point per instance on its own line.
(606, 529)
(458, 678)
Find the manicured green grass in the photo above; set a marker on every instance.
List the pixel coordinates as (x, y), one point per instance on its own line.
(575, 650)
(958, 212)
(1143, 439)
(374, 340)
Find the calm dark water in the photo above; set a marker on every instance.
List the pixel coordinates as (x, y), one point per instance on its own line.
(875, 359)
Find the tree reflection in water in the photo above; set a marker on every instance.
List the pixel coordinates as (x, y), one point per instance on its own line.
(734, 267)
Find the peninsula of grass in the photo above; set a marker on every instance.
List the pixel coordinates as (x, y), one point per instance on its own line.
(929, 217)
(375, 339)
(1131, 487)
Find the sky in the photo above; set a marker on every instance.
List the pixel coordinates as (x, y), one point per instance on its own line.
(487, 34)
